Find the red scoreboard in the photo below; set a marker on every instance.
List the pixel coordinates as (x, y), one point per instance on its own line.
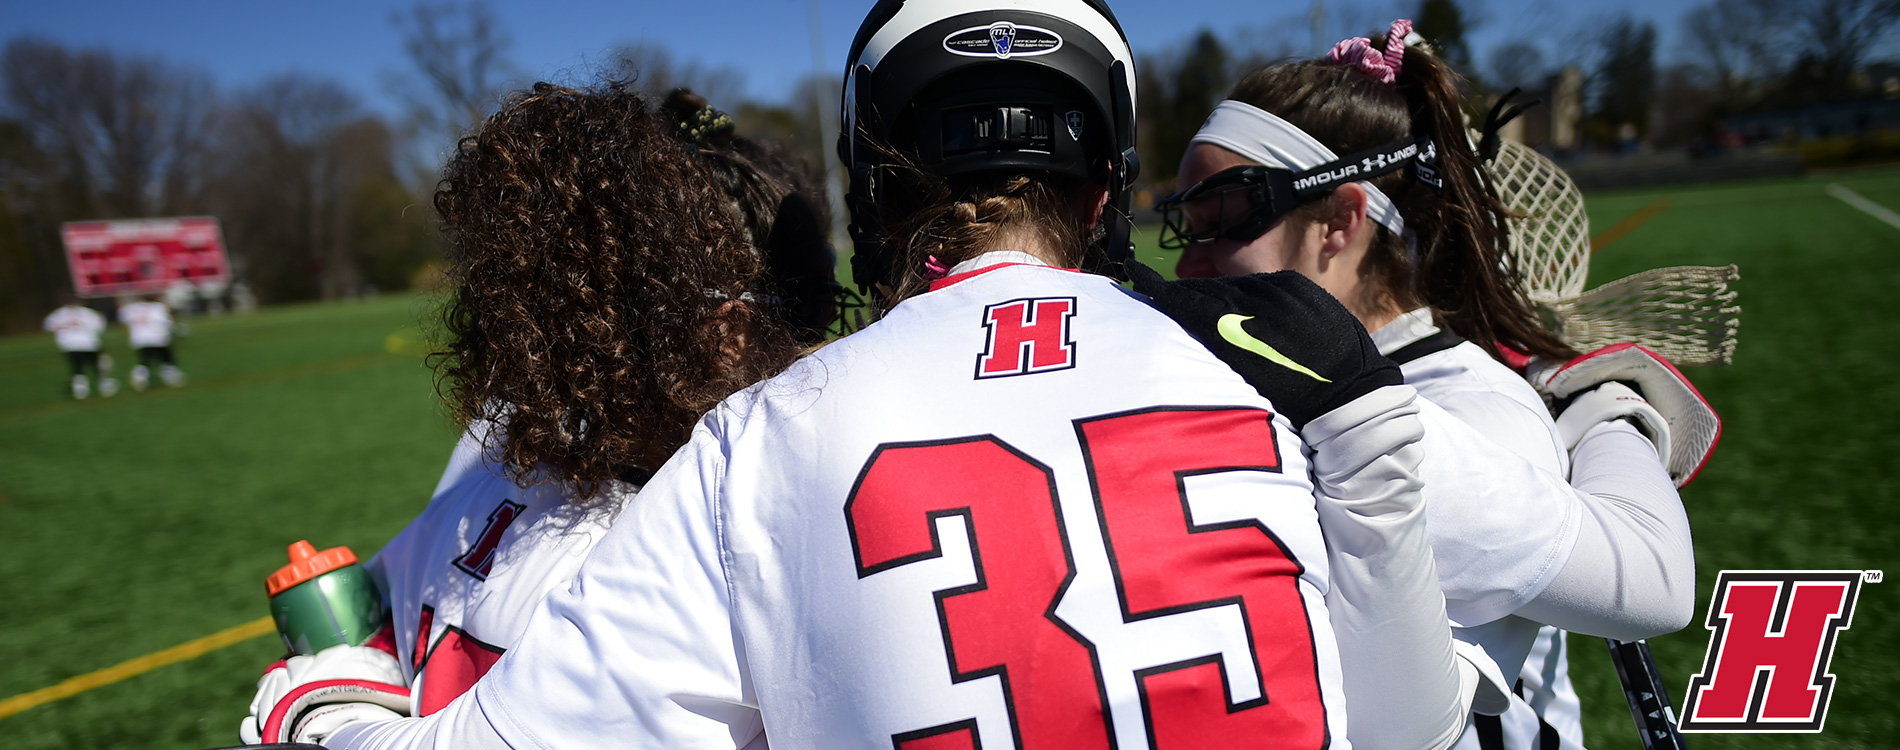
(139, 256)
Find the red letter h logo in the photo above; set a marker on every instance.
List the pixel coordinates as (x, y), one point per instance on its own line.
(1766, 669)
(1027, 336)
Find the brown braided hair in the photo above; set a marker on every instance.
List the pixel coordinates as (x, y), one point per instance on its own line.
(595, 270)
(1463, 270)
(955, 221)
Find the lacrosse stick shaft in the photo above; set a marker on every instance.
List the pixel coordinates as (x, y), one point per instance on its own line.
(1648, 696)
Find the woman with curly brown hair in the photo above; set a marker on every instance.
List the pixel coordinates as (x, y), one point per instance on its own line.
(616, 272)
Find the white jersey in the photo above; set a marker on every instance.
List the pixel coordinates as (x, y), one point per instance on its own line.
(76, 328)
(151, 323)
(1537, 533)
(1022, 510)
(463, 578)
(467, 456)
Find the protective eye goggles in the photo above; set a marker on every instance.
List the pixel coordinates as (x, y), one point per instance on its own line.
(1242, 203)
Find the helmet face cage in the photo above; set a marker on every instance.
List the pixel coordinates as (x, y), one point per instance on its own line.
(850, 318)
(962, 87)
(800, 280)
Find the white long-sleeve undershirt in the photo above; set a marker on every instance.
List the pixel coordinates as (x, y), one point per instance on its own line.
(1404, 686)
(1631, 574)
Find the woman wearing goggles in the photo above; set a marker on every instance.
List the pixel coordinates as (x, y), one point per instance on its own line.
(1413, 242)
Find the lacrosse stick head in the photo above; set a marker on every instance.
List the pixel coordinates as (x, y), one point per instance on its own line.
(1686, 313)
(1550, 239)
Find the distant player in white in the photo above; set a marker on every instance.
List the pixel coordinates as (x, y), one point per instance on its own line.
(76, 328)
(181, 294)
(1024, 509)
(463, 577)
(150, 322)
(1417, 255)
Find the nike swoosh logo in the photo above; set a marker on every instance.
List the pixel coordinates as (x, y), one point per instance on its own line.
(1229, 328)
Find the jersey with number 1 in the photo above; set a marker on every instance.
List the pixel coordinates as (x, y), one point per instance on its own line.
(463, 578)
(1022, 510)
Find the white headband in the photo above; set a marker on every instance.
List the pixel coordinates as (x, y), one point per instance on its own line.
(1262, 137)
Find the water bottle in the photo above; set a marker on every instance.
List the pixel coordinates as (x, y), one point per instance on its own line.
(323, 599)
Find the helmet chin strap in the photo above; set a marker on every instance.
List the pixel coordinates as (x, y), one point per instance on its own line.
(1117, 246)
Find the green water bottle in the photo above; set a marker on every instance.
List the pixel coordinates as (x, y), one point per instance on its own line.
(323, 599)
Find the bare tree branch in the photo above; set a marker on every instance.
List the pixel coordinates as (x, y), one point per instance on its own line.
(656, 71)
(1838, 33)
(458, 52)
(120, 130)
(1516, 65)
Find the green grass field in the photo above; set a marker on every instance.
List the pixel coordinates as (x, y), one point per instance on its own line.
(1801, 480)
(133, 524)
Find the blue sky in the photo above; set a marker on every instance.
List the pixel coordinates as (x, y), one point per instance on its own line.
(768, 41)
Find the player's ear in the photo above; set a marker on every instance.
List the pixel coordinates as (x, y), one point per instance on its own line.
(1095, 199)
(1345, 222)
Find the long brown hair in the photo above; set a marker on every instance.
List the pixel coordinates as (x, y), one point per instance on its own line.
(1463, 269)
(595, 265)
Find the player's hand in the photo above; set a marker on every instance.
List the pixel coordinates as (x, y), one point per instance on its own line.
(1610, 401)
(1629, 381)
(305, 698)
(1288, 337)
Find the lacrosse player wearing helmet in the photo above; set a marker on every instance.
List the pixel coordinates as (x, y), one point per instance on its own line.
(585, 341)
(1024, 508)
(1355, 170)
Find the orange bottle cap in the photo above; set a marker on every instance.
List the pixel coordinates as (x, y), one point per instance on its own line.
(307, 563)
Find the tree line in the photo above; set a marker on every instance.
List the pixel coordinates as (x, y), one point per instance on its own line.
(1730, 57)
(308, 184)
(322, 197)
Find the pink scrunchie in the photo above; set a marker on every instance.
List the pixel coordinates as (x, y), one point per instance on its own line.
(1358, 52)
(935, 269)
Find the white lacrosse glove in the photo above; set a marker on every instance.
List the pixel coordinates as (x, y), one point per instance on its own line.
(305, 698)
(1663, 404)
(1610, 401)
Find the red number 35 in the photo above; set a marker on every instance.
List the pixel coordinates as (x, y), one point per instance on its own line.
(1005, 625)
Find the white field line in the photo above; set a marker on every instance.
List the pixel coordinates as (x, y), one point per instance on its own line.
(1866, 206)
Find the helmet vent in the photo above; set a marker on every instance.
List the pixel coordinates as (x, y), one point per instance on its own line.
(991, 127)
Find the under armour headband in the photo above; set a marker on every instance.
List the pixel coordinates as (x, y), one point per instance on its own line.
(1263, 137)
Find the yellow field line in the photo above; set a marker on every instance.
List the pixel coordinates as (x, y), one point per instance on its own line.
(135, 667)
(1628, 225)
